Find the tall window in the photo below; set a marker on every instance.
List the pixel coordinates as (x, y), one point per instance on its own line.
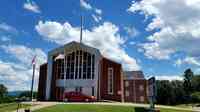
(110, 80)
(80, 65)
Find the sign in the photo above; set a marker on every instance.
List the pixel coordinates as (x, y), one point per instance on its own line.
(152, 91)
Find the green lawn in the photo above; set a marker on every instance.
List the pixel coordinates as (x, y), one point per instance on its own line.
(11, 107)
(96, 108)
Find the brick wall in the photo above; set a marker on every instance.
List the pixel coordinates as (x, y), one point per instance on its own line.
(135, 90)
(42, 82)
(56, 92)
(105, 64)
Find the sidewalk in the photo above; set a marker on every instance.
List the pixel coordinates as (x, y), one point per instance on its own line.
(37, 105)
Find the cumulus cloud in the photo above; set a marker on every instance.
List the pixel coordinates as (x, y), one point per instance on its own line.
(25, 54)
(17, 75)
(104, 37)
(8, 28)
(188, 60)
(96, 18)
(169, 77)
(85, 5)
(131, 31)
(32, 6)
(178, 24)
(98, 12)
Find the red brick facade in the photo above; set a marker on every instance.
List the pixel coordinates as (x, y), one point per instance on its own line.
(117, 88)
(42, 82)
(135, 90)
(56, 92)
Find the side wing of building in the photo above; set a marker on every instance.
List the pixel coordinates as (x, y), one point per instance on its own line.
(42, 82)
(111, 80)
(135, 87)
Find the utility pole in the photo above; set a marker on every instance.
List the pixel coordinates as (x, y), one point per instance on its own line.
(81, 32)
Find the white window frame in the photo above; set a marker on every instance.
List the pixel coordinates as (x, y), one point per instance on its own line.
(127, 93)
(126, 83)
(141, 98)
(141, 87)
(110, 80)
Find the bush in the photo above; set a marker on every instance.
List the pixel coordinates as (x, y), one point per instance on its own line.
(7, 99)
(195, 97)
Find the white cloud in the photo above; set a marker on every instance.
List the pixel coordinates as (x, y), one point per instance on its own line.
(169, 77)
(96, 18)
(85, 5)
(17, 75)
(188, 60)
(32, 6)
(25, 54)
(178, 24)
(98, 11)
(104, 37)
(8, 28)
(131, 31)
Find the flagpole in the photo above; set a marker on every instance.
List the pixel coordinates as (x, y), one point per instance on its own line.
(33, 76)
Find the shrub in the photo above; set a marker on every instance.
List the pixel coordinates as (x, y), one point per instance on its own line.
(195, 97)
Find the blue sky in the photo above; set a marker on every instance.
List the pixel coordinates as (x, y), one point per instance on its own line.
(142, 35)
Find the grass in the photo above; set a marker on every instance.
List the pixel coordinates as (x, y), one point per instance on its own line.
(97, 108)
(8, 107)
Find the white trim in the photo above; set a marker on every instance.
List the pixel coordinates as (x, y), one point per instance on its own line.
(112, 80)
(49, 75)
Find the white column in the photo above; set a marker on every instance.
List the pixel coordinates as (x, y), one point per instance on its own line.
(74, 64)
(91, 66)
(49, 76)
(65, 62)
(82, 66)
(78, 64)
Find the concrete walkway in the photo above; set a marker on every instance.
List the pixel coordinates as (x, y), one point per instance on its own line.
(39, 105)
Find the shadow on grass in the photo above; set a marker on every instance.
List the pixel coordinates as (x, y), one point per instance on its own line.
(140, 109)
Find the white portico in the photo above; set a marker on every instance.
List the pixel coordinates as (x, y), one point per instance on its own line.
(80, 69)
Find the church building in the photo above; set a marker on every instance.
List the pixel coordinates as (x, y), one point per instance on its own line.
(81, 68)
(78, 67)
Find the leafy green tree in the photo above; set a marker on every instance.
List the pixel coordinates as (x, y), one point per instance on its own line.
(170, 92)
(3, 90)
(164, 92)
(27, 94)
(196, 83)
(195, 97)
(188, 76)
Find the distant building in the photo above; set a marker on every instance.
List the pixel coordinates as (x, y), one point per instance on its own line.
(78, 67)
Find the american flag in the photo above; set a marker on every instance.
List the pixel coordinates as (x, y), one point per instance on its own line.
(33, 60)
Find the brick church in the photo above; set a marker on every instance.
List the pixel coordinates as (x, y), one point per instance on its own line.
(81, 68)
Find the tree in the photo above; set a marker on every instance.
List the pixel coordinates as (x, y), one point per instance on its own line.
(170, 92)
(195, 97)
(196, 83)
(188, 75)
(3, 90)
(164, 92)
(27, 94)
